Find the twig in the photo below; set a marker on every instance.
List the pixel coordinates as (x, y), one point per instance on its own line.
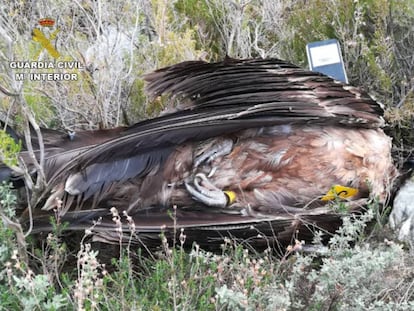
(20, 238)
(401, 102)
(39, 165)
(7, 92)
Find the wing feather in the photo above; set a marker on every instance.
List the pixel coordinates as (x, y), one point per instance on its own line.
(217, 85)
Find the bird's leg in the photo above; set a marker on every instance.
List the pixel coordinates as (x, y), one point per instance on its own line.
(205, 192)
(219, 148)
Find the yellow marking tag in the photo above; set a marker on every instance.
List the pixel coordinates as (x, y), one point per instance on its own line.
(338, 191)
(231, 196)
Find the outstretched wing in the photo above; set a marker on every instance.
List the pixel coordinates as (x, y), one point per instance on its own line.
(221, 98)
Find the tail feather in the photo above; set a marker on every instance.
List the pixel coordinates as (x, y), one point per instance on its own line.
(208, 228)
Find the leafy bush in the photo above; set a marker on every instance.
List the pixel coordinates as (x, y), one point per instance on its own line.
(9, 149)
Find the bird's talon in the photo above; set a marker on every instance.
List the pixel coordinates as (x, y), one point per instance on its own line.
(213, 170)
(205, 192)
(219, 149)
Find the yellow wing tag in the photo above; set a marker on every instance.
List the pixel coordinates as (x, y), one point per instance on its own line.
(338, 191)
